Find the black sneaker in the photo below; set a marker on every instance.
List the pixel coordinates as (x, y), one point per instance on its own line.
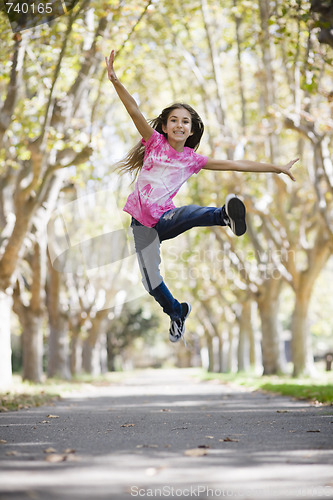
(235, 210)
(177, 327)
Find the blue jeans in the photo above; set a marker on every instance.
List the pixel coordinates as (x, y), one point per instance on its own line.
(147, 245)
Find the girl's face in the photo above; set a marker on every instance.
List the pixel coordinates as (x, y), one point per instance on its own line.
(178, 127)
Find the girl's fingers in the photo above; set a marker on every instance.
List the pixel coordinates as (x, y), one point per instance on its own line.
(109, 61)
(287, 168)
(293, 162)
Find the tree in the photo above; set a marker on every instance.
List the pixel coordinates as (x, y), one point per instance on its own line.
(123, 327)
(262, 83)
(28, 176)
(323, 11)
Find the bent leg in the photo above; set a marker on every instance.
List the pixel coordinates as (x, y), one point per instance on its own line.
(178, 220)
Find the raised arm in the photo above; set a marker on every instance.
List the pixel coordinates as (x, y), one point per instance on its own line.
(250, 166)
(145, 130)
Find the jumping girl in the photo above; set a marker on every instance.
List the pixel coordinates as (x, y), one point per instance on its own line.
(163, 160)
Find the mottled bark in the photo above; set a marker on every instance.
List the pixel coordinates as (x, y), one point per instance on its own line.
(268, 306)
(58, 344)
(245, 336)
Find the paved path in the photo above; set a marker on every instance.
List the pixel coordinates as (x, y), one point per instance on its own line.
(163, 434)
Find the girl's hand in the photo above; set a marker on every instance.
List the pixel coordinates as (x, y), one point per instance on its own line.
(109, 64)
(286, 169)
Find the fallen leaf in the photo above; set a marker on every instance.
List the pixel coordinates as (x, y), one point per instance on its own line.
(55, 458)
(3, 441)
(12, 453)
(165, 409)
(69, 450)
(209, 437)
(317, 430)
(282, 411)
(45, 422)
(50, 450)
(127, 425)
(53, 416)
(195, 452)
(203, 446)
(229, 440)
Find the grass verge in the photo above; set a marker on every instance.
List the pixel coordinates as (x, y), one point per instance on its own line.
(23, 394)
(27, 395)
(316, 390)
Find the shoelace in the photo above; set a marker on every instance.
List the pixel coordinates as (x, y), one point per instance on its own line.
(226, 220)
(183, 337)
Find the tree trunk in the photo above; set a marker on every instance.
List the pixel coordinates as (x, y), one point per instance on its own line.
(268, 80)
(252, 341)
(58, 348)
(268, 305)
(5, 345)
(220, 354)
(76, 354)
(94, 348)
(31, 315)
(230, 358)
(301, 342)
(32, 338)
(111, 354)
(245, 327)
(91, 358)
(210, 351)
(240, 67)
(11, 254)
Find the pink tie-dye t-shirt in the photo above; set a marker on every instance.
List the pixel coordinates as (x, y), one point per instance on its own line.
(163, 172)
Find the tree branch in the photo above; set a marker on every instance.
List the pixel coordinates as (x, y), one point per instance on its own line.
(7, 109)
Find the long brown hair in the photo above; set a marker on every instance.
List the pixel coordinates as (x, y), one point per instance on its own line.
(133, 161)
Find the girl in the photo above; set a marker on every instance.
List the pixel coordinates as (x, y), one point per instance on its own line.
(163, 160)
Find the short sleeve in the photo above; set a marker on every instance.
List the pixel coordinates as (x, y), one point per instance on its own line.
(200, 162)
(154, 137)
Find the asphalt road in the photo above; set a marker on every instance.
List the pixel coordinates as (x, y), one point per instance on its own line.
(163, 434)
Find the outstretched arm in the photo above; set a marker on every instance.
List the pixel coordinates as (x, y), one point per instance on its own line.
(131, 106)
(250, 166)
